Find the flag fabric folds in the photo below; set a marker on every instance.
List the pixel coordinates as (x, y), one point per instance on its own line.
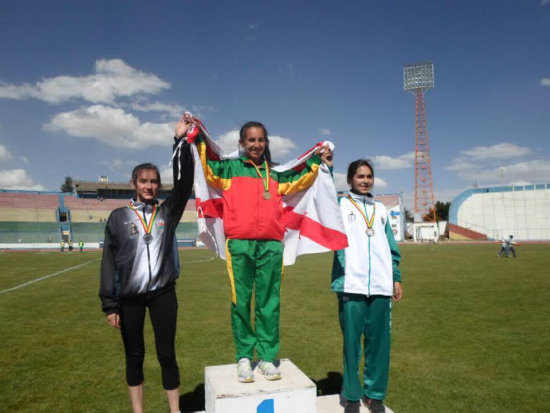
(311, 217)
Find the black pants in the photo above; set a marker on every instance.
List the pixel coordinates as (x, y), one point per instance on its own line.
(163, 309)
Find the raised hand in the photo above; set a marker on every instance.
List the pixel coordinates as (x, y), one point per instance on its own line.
(184, 124)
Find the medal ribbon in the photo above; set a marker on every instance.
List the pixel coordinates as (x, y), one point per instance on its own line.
(266, 181)
(149, 227)
(368, 221)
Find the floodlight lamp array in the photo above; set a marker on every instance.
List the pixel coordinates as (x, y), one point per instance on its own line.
(418, 76)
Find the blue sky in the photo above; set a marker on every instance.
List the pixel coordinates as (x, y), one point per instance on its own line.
(92, 88)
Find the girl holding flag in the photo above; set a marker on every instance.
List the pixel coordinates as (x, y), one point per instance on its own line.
(252, 210)
(139, 269)
(366, 277)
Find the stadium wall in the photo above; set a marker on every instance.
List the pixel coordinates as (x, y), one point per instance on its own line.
(31, 217)
(522, 211)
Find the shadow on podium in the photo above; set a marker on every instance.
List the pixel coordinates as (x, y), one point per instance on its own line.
(332, 384)
(193, 401)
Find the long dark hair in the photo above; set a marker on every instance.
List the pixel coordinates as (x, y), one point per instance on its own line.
(355, 165)
(253, 124)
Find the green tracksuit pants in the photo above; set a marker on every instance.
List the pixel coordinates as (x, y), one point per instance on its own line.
(255, 265)
(369, 317)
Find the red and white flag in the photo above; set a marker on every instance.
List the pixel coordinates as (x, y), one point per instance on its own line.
(312, 218)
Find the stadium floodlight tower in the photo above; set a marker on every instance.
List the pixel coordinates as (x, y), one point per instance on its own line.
(418, 78)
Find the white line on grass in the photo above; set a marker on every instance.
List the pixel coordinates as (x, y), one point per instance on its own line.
(47, 276)
(194, 262)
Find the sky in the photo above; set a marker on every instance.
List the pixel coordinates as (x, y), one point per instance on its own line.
(94, 88)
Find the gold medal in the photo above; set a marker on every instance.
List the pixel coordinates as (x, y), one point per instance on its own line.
(265, 181)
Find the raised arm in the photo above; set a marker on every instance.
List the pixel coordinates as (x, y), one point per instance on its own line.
(214, 168)
(296, 180)
(182, 169)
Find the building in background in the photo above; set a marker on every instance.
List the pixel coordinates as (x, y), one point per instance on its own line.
(496, 212)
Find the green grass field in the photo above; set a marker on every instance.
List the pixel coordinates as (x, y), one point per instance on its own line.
(471, 334)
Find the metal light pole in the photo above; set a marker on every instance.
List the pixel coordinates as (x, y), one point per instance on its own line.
(417, 78)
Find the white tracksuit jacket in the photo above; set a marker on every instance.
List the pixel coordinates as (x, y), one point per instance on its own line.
(369, 265)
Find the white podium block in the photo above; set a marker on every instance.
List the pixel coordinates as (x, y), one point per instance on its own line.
(294, 393)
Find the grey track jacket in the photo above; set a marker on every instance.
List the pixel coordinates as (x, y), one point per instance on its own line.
(129, 266)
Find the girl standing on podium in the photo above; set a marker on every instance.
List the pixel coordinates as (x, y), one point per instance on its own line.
(254, 229)
(366, 277)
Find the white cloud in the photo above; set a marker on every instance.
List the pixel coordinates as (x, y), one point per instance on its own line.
(18, 179)
(116, 165)
(173, 109)
(278, 145)
(201, 110)
(482, 165)
(324, 131)
(532, 172)
(340, 181)
(379, 184)
(229, 141)
(112, 126)
(4, 154)
(499, 151)
(387, 162)
(113, 78)
(460, 164)
(545, 81)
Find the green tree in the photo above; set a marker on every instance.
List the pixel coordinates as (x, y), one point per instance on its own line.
(408, 216)
(442, 210)
(68, 185)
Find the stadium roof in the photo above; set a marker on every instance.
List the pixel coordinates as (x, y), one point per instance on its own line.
(94, 189)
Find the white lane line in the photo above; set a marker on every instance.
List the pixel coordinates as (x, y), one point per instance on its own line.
(47, 276)
(193, 262)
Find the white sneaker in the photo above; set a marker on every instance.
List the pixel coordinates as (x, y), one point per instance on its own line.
(269, 370)
(244, 371)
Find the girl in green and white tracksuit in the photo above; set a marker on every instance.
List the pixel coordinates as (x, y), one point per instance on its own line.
(366, 277)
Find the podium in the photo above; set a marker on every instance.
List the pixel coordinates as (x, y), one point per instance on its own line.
(294, 393)
(223, 393)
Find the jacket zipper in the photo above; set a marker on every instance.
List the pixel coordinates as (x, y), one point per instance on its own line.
(368, 239)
